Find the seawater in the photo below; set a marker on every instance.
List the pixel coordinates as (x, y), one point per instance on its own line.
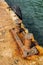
(32, 12)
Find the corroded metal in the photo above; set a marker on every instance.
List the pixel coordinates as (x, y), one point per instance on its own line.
(10, 53)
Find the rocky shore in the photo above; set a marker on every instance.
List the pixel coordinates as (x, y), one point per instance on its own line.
(9, 53)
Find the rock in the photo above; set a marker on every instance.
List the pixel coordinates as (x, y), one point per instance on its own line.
(9, 53)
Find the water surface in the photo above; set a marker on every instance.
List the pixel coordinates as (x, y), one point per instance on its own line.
(32, 12)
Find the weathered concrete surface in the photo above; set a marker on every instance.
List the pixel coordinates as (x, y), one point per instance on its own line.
(9, 53)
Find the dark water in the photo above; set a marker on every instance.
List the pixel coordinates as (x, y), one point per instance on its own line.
(32, 11)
